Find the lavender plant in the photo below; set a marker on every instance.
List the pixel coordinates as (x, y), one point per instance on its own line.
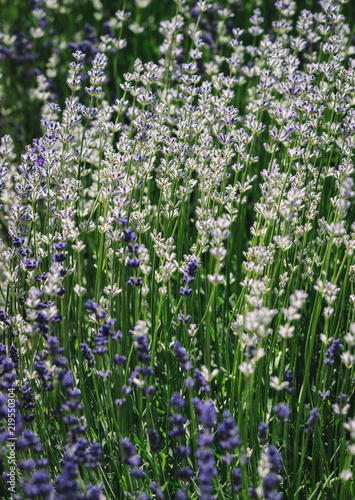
(177, 295)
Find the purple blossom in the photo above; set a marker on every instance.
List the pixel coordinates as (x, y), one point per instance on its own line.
(39, 487)
(154, 441)
(205, 454)
(282, 411)
(201, 382)
(180, 495)
(129, 235)
(332, 352)
(288, 377)
(133, 263)
(178, 421)
(228, 433)
(157, 490)
(87, 355)
(262, 433)
(176, 401)
(311, 422)
(182, 357)
(184, 473)
(206, 413)
(236, 480)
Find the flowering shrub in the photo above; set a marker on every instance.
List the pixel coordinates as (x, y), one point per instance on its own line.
(176, 257)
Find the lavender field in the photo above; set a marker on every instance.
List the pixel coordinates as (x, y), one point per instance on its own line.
(177, 237)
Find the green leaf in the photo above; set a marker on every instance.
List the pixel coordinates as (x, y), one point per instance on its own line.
(93, 433)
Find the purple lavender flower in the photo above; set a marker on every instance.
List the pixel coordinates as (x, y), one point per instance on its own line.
(262, 433)
(182, 357)
(178, 422)
(274, 459)
(228, 433)
(135, 281)
(18, 241)
(311, 422)
(66, 485)
(119, 360)
(185, 291)
(181, 495)
(105, 332)
(133, 263)
(192, 268)
(26, 465)
(133, 248)
(189, 277)
(205, 455)
(129, 235)
(182, 452)
(59, 257)
(4, 319)
(13, 354)
(29, 440)
(206, 413)
(87, 355)
(184, 473)
(132, 459)
(43, 373)
(154, 441)
(94, 492)
(270, 483)
(142, 495)
(157, 490)
(53, 347)
(39, 487)
(30, 265)
(94, 308)
(129, 451)
(282, 411)
(324, 395)
(207, 470)
(66, 379)
(201, 382)
(288, 377)
(176, 401)
(141, 344)
(60, 246)
(332, 352)
(236, 480)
